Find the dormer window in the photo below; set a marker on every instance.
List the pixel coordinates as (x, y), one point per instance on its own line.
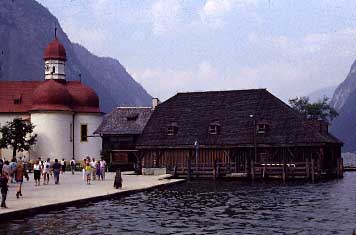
(132, 117)
(214, 128)
(262, 128)
(172, 128)
(17, 99)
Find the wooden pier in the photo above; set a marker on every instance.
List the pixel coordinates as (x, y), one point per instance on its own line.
(308, 170)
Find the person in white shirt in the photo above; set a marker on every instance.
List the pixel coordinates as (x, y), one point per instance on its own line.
(102, 168)
(93, 168)
(46, 171)
(37, 172)
(63, 166)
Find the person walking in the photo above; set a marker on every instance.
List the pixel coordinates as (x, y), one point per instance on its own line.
(37, 173)
(4, 179)
(41, 166)
(93, 168)
(19, 174)
(12, 170)
(63, 165)
(97, 169)
(88, 171)
(56, 170)
(6, 168)
(25, 167)
(72, 165)
(83, 167)
(102, 168)
(46, 171)
(118, 179)
(1, 164)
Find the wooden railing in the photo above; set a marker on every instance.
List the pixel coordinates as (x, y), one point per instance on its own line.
(293, 170)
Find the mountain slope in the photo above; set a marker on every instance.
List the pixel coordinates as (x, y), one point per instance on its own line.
(344, 100)
(345, 89)
(26, 28)
(321, 93)
(107, 69)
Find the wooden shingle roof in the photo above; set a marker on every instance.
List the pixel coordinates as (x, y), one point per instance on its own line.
(236, 112)
(125, 121)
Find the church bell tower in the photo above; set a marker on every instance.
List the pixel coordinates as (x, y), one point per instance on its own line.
(55, 59)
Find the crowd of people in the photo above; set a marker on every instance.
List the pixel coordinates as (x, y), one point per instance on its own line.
(16, 170)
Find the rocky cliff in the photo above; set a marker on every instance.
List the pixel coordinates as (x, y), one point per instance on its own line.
(344, 101)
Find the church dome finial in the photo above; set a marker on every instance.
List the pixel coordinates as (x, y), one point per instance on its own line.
(55, 50)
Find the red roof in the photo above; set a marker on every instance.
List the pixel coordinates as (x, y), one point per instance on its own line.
(55, 51)
(50, 95)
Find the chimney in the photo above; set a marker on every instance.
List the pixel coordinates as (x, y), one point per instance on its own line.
(320, 125)
(155, 102)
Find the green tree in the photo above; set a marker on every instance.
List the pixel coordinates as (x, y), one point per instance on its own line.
(18, 135)
(318, 110)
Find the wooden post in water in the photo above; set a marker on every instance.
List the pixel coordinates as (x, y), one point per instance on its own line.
(175, 171)
(189, 169)
(214, 169)
(284, 174)
(307, 168)
(338, 167)
(264, 171)
(341, 167)
(318, 168)
(246, 167)
(252, 170)
(217, 169)
(312, 170)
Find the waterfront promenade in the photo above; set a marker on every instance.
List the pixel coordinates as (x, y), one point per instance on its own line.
(71, 190)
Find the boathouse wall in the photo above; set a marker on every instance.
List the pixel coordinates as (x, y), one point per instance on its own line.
(308, 162)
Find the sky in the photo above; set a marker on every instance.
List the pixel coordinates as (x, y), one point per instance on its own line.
(292, 48)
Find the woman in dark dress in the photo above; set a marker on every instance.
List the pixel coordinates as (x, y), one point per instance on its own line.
(19, 173)
(118, 179)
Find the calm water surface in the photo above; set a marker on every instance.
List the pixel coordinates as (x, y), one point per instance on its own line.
(206, 207)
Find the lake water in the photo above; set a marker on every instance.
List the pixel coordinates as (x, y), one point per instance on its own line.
(207, 207)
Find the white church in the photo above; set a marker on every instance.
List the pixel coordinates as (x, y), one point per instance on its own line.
(65, 113)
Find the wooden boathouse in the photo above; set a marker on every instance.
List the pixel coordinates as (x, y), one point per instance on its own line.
(119, 132)
(240, 133)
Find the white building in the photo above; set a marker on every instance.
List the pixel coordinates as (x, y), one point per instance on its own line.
(65, 113)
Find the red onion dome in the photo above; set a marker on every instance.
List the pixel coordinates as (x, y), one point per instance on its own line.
(52, 96)
(55, 51)
(84, 98)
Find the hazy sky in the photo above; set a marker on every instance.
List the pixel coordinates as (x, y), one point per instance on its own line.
(289, 47)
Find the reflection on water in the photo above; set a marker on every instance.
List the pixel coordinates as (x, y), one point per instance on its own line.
(207, 207)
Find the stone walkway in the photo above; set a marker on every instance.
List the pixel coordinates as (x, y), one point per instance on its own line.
(73, 188)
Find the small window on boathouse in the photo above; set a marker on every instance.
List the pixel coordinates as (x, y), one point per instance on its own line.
(214, 128)
(172, 128)
(262, 128)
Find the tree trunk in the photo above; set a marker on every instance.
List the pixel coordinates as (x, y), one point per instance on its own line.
(14, 150)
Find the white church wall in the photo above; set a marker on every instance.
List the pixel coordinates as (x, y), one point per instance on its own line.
(6, 154)
(53, 131)
(93, 145)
